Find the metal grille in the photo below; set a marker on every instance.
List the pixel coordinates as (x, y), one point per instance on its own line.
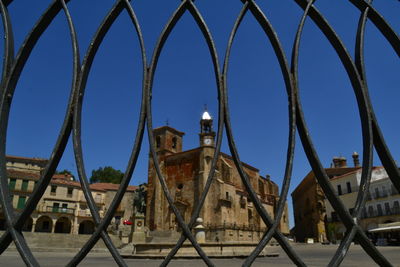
(371, 133)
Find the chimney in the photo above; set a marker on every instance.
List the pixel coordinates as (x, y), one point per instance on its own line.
(339, 162)
(356, 159)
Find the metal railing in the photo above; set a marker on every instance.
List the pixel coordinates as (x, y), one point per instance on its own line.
(84, 213)
(58, 210)
(354, 66)
(373, 195)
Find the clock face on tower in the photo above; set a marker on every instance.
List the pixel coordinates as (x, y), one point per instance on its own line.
(207, 141)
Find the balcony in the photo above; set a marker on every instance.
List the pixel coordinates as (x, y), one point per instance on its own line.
(58, 210)
(269, 199)
(225, 201)
(22, 190)
(84, 213)
(392, 211)
(374, 195)
(98, 201)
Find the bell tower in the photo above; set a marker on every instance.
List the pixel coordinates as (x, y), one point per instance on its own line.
(207, 134)
(167, 140)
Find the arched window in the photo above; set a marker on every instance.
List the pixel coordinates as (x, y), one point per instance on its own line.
(174, 142)
(261, 188)
(158, 141)
(270, 189)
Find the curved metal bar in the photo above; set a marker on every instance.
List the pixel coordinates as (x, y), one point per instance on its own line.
(361, 198)
(81, 169)
(343, 248)
(310, 10)
(379, 142)
(8, 61)
(102, 224)
(380, 23)
(213, 52)
(156, 54)
(322, 173)
(15, 224)
(7, 2)
(65, 129)
(360, 40)
(270, 32)
(311, 153)
(253, 196)
(59, 146)
(8, 58)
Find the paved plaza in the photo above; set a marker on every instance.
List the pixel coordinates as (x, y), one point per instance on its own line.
(313, 255)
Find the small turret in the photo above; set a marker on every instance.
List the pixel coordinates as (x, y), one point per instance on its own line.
(356, 159)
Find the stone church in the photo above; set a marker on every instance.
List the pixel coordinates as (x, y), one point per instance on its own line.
(228, 213)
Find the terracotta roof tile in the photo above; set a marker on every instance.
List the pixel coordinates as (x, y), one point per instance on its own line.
(18, 158)
(162, 128)
(62, 179)
(355, 171)
(243, 163)
(21, 174)
(110, 186)
(62, 176)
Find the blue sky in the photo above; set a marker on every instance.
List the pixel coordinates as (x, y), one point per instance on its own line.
(184, 82)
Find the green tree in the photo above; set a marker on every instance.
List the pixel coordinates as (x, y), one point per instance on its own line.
(332, 232)
(68, 172)
(106, 175)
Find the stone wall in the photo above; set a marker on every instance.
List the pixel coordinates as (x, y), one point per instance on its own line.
(50, 241)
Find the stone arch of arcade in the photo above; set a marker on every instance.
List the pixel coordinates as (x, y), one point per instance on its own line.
(44, 224)
(28, 225)
(86, 227)
(63, 225)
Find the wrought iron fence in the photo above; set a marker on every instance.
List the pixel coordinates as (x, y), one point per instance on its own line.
(371, 133)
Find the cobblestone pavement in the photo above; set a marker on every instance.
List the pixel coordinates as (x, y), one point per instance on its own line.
(313, 255)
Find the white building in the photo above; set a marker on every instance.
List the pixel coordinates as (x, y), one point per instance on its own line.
(381, 213)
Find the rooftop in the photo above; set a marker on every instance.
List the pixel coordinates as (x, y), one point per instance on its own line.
(110, 187)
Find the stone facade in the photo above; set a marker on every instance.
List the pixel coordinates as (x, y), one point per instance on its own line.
(228, 213)
(309, 206)
(63, 207)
